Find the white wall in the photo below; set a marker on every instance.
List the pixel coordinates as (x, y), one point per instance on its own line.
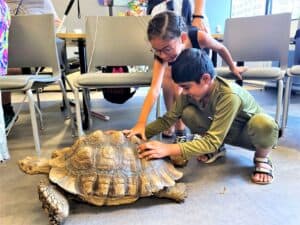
(87, 7)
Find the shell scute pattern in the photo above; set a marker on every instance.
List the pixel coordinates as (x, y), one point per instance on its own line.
(104, 168)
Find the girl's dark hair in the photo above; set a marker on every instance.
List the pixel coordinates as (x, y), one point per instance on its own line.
(190, 65)
(166, 25)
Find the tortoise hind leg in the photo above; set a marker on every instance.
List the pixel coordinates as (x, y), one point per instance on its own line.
(53, 202)
(177, 192)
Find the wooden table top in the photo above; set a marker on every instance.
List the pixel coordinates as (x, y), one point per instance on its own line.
(71, 35)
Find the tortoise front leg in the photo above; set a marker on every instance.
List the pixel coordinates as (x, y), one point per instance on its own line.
(177, 192)
(53, 202)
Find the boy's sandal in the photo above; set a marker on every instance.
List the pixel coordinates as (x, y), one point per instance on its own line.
(263, 170)
(179, 161)
(212, 157)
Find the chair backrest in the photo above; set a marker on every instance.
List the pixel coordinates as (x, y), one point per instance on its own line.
(259, 38)
(32, 42)
(116, 41)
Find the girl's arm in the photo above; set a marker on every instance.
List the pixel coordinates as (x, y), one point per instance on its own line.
(153, 92)
(199, 8)
(207, 41)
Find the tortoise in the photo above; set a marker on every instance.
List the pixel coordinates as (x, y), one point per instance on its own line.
(102, 168)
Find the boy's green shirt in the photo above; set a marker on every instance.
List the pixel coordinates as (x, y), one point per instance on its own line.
(228, 102)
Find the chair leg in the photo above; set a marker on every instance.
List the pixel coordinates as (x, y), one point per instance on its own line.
(279, 100)
(39, 112)
(69, 83)
(33, 121)
(17, 113)
(78, 113)
(65, 99)
(38, 97)
(286, 102)
(67, 105)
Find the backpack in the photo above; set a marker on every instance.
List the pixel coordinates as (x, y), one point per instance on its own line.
(117, 95)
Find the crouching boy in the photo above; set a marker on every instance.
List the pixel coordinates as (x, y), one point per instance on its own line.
(219, 111)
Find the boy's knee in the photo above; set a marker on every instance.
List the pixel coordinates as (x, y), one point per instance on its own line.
(263, 131)
(194, 120)
(188, 113)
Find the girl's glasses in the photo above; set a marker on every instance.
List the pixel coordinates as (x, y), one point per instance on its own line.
(167, 49)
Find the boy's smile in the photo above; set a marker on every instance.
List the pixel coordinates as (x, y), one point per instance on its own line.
(198, 91)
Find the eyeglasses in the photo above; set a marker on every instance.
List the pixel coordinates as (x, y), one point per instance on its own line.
(166, 50)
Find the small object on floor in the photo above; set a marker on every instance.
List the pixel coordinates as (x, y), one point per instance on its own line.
(102, 169)
(212, 157)
(263, 166)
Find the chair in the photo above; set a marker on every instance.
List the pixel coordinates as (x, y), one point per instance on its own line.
(259, 38)
(291, 73)
(32, 44)
(114, 41)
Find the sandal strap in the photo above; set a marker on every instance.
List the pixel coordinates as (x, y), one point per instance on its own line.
(212, 154)
(261, 169)
(211, 157)
(268, 171)
(264, 160)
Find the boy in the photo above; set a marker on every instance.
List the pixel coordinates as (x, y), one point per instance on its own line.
(217, 110)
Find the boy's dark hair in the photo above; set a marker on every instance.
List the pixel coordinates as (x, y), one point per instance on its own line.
(190, 65)
(166, 25)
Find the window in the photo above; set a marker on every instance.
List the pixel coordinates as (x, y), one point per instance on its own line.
(241, 8)
(293, 6)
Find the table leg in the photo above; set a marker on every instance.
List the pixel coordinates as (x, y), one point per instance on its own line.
(86, 121)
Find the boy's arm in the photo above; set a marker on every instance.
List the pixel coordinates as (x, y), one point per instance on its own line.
(168, 119)
(156, 149)
(226, 110)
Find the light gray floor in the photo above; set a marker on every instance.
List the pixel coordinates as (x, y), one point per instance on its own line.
(218, 194)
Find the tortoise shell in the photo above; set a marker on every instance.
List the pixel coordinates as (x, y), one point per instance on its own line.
(104, 169)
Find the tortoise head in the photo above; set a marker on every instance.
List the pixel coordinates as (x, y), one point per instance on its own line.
(34, 165)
